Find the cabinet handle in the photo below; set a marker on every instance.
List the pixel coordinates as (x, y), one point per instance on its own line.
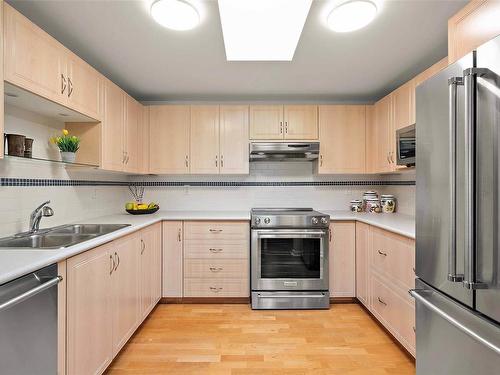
(186, 160)
(70, 87)
(179, 235)
(222, 161)
(388, 158)
(286, 127)
(413, 268)
(117, 261)
(216, 269)
(215, 230)
(281, 127)
(63, 84)
(112, 264)
(320, 160)
(392, 156)
(382, 253)
(216, 160)
(143, 246)
(330, 235)
(382, 301)
(214, 250)
(215, 290)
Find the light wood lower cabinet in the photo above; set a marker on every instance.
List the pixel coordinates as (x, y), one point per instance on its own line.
(342, 259)
(109, 290)
(362, 263)
(172, 258)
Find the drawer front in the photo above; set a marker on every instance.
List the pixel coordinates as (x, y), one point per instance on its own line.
(202, 287)
(216, 268)
(216, 230)
(396, 312)
(216, 249)
(394, 257)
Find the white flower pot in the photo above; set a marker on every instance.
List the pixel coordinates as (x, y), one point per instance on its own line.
(68, 157)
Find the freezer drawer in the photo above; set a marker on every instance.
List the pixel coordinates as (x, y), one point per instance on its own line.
(451, 339)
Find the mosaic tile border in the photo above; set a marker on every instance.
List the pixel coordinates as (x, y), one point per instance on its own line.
(30, 182)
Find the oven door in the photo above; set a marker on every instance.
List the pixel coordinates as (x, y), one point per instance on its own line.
(289, 259)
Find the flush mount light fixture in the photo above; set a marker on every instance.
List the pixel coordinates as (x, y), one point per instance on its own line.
(175, 14)
(352, 15)
(262, 30)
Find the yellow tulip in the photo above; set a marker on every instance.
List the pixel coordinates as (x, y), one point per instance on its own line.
(53, 140)
(74, 138)
(65, 132)
(58, 139)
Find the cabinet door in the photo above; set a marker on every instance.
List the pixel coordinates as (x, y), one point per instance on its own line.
(266, 122)
(234, 139)
(362, 262)
(83, 86)
(169, 139)
(125, 289)
(382, 140)
(473, 25)
(113, 128)
(172, 243)
(342, 259)
(143, 139)
(89, 311)
(131, 135)
(204, 144)
(402, 102)
(150, 272)
(342, 139)
(33, 60)
(301, 122)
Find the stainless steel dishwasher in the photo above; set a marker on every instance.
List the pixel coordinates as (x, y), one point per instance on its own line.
(28, 324)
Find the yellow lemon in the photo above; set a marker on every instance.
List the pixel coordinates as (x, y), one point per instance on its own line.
(129, 206)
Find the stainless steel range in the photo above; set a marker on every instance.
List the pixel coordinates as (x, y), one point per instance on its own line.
(289, 265)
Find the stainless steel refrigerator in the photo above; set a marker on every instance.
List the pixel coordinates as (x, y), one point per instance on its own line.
(457, 293)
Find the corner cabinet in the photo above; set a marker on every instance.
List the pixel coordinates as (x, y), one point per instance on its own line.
(381, 142)
(284, 122)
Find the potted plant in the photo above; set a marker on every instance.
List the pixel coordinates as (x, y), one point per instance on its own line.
(68, 145)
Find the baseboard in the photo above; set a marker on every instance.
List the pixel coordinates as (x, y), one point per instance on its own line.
(394, 339)
(335, 300)
(207, 300)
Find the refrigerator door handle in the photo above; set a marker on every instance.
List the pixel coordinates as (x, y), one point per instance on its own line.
(453, 84)
(470, 76)
(422, 296)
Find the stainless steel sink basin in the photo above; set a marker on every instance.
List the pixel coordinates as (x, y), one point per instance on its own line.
(59, 237)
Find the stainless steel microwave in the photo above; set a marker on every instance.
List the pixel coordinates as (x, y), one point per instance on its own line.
(405, 143)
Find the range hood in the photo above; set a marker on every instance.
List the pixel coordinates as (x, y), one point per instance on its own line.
(284, 151)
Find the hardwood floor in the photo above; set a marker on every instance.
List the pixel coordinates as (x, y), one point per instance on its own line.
(234, 340)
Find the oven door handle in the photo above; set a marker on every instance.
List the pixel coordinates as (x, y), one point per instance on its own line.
(274, 296)
(291, 233)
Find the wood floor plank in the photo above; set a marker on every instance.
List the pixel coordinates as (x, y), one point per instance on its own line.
(235, 340)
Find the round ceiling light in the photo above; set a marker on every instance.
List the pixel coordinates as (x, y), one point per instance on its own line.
(352, 15)
(175, 14)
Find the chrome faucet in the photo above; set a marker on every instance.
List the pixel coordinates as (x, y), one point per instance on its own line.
(36, 216)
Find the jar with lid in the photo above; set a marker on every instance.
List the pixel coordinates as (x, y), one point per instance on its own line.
(373, 205)
(369, 195)
(388, 203)
(356, 205)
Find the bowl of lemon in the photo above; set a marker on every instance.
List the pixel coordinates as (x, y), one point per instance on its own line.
(141, 208)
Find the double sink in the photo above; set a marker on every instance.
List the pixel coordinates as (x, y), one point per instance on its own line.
(59, 237)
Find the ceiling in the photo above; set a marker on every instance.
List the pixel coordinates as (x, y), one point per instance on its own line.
(153, 63)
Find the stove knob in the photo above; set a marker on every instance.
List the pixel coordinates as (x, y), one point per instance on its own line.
(314, 220)
(324, 220)
(257, 220)
(267, 220)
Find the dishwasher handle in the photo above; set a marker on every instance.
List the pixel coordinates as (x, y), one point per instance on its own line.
(30, 293)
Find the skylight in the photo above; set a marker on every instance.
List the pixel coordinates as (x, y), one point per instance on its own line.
(262, 30)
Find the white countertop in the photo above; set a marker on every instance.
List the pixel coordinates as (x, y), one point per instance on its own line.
(18, 262)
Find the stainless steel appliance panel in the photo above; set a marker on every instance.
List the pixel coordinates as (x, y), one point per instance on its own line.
(405, 143)
(441, 216)
(487, 262)
(28, 324)
(452, 339)
(290, 300)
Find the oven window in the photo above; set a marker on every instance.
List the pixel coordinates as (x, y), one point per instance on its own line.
(286, 258)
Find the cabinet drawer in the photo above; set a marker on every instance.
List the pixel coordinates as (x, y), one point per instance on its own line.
(216, 269)
(396, 312)
(216, 249)
(209, 230)
(394, 257)
(204, 287)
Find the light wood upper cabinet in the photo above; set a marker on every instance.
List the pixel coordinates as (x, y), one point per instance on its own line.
(266, 122)
(131, 135)
(301, 122)
(342, 134)
(143, 139)
(204, 143)
(342, 259)
(150, 268)
(169, 139)
(234, 139)
(362, 262)
(125, 289)
(172, 258)
(113, 136)
(89, 311)
(384, 137)
(403, 106)
(84, 86)
(33, 60)
(473, 25)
